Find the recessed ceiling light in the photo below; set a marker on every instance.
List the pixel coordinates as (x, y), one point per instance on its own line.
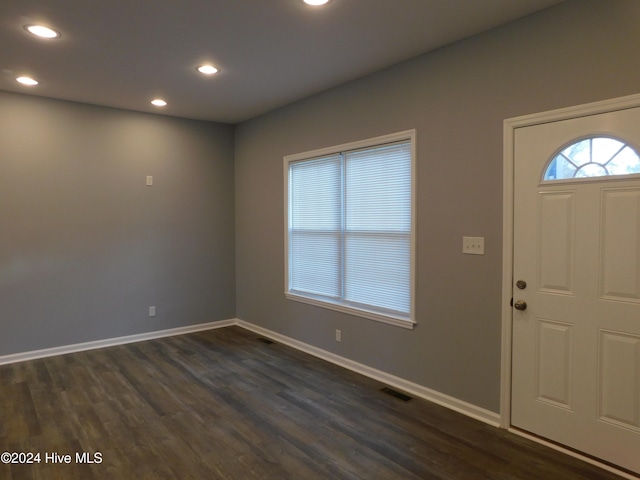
(158, 102)
(316, 3)
(42, 31)
(207, 69)
(27, 81)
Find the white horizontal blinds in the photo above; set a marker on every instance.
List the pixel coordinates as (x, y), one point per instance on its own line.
(377, 222)
(315, 221)
(350, 229)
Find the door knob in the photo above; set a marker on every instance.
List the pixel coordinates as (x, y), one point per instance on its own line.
(520, 305)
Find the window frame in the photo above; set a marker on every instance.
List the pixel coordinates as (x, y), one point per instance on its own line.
(392, 319)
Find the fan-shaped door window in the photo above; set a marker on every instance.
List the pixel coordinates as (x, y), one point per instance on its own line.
(593, 157)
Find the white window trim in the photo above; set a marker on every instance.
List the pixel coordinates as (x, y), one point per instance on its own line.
(360, 312)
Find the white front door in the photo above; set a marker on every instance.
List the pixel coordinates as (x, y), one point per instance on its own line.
(576, 343)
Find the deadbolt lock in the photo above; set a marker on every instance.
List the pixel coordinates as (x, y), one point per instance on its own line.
(521, 284)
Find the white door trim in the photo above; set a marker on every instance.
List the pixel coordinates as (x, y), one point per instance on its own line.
(509, 128)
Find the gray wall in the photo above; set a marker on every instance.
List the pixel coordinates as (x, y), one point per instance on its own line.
(86, 247)
(457, 98)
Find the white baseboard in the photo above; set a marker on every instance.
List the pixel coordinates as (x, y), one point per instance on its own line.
(447, 401)
(109, 342)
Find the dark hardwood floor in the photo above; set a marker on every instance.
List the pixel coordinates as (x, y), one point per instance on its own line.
(222, 404)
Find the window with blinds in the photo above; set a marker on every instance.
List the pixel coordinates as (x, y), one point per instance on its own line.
(350, 228)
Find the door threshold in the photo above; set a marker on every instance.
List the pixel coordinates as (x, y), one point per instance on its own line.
(575, 454)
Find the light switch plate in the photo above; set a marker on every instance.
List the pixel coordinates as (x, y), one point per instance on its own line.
(473, 245)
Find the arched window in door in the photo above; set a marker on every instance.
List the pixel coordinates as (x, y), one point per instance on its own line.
(596, 156)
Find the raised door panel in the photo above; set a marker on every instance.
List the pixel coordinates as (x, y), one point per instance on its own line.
(556, 242)
(554, 363)
(620, 246)
(619, 379)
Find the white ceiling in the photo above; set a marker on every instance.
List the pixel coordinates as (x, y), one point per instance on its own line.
(124, 53)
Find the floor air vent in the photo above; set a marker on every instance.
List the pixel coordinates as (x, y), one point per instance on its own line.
(265, 340)
(397, 394)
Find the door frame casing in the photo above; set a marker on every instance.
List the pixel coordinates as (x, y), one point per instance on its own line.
(509, 128)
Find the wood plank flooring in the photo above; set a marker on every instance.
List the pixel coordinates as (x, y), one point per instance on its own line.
(223, 405)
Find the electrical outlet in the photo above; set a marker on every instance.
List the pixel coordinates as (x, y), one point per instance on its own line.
(338, 335)
(152, 311)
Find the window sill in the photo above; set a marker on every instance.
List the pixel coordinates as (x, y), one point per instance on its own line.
(378, 317)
